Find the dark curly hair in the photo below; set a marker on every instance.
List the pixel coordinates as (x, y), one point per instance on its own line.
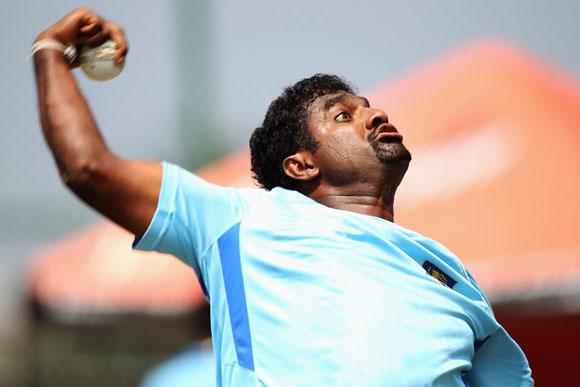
(285, 131)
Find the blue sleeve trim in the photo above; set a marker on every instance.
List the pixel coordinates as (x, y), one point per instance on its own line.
(229, 248)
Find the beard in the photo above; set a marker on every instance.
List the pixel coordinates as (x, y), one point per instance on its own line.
(390, 153)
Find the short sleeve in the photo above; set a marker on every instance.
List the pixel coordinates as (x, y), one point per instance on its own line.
(191, 215)
(499, 361)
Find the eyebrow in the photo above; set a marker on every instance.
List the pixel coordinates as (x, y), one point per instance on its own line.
(343, 98)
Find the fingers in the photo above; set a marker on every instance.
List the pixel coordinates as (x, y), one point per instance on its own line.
(76, 27)
(88, 19)
(84, 27)
(117, 34)
(92, 40)
(92, 27)
(95, 31)
(92, 33)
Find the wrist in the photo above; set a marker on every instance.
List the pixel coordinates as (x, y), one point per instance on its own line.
(50, 41)
(47, 34)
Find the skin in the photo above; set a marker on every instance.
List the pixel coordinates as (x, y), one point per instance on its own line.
(344, 173)
(125, 191)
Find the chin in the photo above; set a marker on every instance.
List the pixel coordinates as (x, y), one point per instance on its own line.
(392, 153)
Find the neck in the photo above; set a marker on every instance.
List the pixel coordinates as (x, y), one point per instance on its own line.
(364, 193)
(362, 204)
(363, 198)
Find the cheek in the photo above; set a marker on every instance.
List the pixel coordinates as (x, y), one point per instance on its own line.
(345, 148)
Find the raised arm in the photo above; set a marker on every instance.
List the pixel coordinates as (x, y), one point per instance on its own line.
(125, 191)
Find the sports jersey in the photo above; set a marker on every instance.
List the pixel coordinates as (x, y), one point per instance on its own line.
(302, 294)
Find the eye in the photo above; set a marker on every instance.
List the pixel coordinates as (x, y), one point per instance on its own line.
(342, 116)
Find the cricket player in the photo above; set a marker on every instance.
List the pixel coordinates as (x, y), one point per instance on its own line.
(310, 281)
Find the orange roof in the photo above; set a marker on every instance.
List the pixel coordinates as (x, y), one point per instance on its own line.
(96, 273)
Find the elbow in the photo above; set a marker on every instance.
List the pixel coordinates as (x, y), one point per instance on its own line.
(83, 175)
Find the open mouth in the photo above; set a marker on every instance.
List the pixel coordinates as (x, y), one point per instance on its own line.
(387, 133)
(389, 137)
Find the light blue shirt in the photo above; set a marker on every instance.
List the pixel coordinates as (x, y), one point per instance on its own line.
(192, 367)
(306, 295)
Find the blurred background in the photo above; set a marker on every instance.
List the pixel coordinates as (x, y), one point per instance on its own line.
(486, 92)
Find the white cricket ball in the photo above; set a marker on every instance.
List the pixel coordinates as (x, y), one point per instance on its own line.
(97, 62)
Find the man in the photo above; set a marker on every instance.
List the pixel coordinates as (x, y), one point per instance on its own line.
(310, 282)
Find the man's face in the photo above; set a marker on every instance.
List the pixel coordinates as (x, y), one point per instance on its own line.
(356, 141)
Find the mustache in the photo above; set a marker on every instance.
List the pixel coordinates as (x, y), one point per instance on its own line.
(372, 136)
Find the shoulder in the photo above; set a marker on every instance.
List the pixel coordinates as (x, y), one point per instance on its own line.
(439, 249)
(176, 177)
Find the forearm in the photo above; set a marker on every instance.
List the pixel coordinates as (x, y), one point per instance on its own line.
(125, 191)
(68, 125)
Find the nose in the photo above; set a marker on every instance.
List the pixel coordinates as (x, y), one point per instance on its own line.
(375, 118)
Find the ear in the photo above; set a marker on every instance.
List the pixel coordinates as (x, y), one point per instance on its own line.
(300, 166)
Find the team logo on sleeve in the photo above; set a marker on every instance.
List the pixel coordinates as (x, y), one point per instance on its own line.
(439, 274)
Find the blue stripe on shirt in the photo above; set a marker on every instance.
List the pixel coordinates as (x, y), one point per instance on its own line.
(229, 247)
